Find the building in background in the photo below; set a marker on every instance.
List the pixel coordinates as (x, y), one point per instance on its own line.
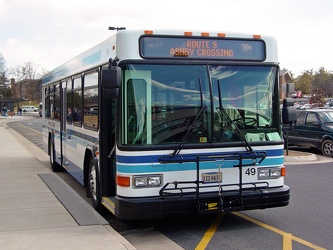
(29, 90)
(287, 86)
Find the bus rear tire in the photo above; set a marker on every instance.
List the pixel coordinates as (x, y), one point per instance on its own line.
(54, 165)
(93, 188)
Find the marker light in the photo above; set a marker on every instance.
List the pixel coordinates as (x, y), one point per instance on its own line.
(96, 151)
(221, 34)
(123, 181)
(187, 33)
(270, 173)
(204, 34)
(283, 171)
(148, 32)
(256, 36)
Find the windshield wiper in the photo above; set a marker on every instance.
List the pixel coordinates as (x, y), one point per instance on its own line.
(191, 125)
(231, 123)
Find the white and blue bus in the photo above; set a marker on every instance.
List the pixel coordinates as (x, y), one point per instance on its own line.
(165, 122)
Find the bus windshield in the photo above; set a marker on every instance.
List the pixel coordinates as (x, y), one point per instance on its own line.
(167, 104)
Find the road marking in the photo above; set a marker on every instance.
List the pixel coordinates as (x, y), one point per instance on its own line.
(287, 241)
(30, 128)
(210, 232)
(287, 237)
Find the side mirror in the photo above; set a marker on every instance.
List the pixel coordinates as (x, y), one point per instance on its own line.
(111, 77)
(289, 114)
(111, 81)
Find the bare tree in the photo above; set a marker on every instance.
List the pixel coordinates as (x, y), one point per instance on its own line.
(5, 91)
(2, 63)
(42, 72)
(30, 70)
(27, 71)
(16, 73)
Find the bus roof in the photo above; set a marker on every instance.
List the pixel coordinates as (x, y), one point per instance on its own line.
(126, 42)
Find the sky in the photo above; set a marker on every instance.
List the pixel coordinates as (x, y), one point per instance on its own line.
(49, 33)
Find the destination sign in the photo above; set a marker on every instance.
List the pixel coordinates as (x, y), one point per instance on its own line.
(202, 48)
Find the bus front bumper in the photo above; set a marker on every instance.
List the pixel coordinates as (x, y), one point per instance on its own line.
(160, 207)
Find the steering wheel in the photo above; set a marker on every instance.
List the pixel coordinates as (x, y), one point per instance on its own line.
(247, 121)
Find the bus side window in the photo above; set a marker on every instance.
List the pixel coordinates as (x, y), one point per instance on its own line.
(90, 101)
(77, 102)
(69, 101)
(56, 109)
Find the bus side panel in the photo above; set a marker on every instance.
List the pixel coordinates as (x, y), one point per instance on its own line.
(79, 140)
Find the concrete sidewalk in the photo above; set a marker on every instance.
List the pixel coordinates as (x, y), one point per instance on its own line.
(34, 217)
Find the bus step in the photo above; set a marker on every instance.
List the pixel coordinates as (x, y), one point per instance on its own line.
(109, 203)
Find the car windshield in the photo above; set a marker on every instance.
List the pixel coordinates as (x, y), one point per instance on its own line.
(165, 104)
(326, 117)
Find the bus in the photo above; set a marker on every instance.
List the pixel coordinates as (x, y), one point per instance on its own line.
(157, 123)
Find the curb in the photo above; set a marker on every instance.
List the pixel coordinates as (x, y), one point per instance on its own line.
(310, 157)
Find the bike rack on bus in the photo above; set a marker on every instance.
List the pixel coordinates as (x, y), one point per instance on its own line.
(205, 199)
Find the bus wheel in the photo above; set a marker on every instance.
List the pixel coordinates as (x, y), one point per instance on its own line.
(327, 148)
(54, 165)
(94, 185)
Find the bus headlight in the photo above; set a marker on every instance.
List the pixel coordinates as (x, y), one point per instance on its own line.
(269, 173)
(142, 181)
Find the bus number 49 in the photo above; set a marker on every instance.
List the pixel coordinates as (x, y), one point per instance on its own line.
(250, 171)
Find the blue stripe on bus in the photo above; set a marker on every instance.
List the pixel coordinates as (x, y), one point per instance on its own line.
(155, 168)
(68, 69)
(93, 58)
(80, 137)
(155, 158)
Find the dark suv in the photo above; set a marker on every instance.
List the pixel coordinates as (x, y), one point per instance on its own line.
(313, 128)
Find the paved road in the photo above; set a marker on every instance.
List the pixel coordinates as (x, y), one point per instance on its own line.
(305, 224)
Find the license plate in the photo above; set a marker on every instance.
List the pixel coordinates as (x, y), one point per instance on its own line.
(212, 177)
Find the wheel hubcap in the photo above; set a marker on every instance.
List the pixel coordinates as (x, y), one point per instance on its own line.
(92, 182)
(328, 149)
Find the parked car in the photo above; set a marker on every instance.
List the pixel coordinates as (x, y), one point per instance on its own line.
(306, 106)
(313, 128)
(29, 109)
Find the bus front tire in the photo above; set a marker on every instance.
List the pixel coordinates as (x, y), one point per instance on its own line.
(94, 185)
